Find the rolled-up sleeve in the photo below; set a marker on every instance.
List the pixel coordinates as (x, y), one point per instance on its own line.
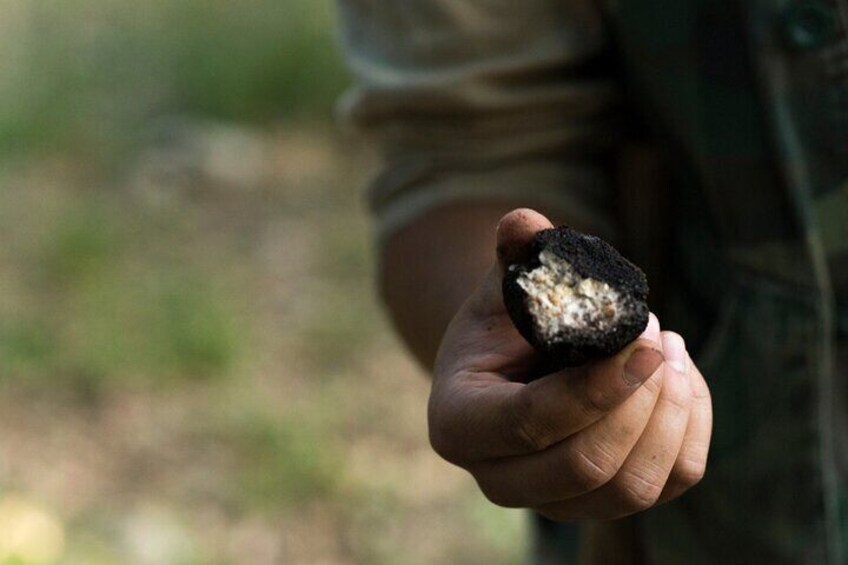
(483, 99)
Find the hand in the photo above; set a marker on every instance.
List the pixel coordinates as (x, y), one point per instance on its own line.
(608, 439)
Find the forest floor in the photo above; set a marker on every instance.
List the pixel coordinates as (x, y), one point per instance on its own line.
(194, 367)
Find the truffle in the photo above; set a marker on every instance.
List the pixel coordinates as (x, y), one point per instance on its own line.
(576, 298)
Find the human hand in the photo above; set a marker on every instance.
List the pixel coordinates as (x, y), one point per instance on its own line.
(611, 438)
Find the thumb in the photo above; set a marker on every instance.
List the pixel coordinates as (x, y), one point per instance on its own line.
(515, 234)
(516, 231)
(481, 335)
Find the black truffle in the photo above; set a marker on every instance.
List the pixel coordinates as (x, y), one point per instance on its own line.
(576, 299)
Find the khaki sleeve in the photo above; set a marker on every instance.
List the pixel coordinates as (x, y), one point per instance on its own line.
(483, 99)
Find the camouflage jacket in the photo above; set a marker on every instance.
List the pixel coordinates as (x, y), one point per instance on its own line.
(753, 96)
(747, 103)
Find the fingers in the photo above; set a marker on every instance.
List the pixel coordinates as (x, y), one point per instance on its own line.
(579, 464)
(643, 477)
(515, 234)
(557, 406)
(691, 463)
(473, 417)
(637, 449)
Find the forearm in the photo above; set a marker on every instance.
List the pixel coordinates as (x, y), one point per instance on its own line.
(473, 102)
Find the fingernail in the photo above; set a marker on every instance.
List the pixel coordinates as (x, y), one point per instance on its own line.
(652, 331)
(675, 352)
(641, 364)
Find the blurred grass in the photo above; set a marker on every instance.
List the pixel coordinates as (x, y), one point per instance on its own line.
(86, 78)
(285, 465)
(192, 364)
(93, 70)
(99, 308)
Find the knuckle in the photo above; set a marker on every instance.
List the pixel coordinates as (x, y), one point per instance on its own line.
(636, 493)
(496, 494)
(591, 470)
(496, 498)
(443, 439)
(677, 394)
(441, 444)
(525, 431)
(654, 384)
(598, 398)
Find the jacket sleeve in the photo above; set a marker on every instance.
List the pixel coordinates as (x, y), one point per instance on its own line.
(483, 99)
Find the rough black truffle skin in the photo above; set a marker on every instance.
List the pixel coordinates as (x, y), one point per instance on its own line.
(589, 257)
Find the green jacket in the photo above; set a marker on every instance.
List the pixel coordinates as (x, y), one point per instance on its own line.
(746, 104)
(753, 96)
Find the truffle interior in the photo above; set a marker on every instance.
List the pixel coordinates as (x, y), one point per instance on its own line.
(558, 298)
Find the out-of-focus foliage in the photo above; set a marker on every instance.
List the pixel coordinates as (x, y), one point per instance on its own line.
(99, 81)
(96, 69)
(193, 369)
(100, 303)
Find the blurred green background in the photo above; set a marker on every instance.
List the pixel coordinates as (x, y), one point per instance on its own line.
(193, 368)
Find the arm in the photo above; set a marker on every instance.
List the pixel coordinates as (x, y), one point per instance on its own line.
(475, 106)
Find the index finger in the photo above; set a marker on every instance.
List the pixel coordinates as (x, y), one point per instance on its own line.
(475, 416)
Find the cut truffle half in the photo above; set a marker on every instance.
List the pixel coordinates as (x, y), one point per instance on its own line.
(577, 298)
